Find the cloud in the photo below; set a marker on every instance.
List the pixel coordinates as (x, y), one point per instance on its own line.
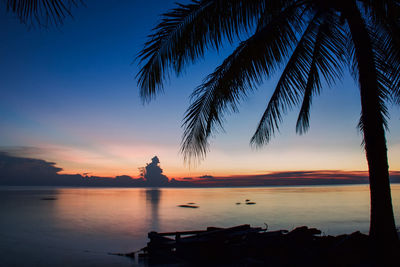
(16, 170)
(323, 177)
(152, 173)
(30, 171)
(206, 177)
(26, 171)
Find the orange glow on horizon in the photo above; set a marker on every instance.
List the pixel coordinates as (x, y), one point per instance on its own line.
(195, 176)
(110, 160)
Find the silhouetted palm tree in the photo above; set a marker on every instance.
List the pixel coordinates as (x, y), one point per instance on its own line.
(314, 40)
(41, 12)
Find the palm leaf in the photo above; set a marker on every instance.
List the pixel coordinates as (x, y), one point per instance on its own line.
(290, 86)
(240, 73)
(42, 12)
(184, 34)
(329, 48)
(386, 41)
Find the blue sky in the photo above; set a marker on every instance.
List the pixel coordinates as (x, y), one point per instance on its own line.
(69, 95)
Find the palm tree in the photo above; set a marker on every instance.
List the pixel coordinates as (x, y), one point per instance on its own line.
(42, 12)
(314, 40)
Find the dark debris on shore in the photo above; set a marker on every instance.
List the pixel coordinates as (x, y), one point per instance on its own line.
(253, 246)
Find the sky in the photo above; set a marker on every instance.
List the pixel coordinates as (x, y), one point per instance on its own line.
(69, 96)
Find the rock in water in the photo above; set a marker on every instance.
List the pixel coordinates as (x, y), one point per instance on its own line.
(188, 206)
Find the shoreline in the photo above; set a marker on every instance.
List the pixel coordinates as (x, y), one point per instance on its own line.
(253, 246)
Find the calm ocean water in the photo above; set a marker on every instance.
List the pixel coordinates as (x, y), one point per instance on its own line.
(82, 225)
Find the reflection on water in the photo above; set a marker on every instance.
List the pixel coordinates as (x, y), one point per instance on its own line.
(153, 197)
(82, 225)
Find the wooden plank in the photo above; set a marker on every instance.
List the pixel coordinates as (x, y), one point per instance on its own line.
(181, 233)
(210, 230)
(225, 230)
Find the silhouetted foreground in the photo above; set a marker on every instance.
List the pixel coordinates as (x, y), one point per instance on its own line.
(247, 246)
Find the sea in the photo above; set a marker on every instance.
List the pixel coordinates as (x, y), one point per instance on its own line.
(64, 226)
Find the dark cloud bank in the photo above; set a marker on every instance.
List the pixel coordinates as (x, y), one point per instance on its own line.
(28, 171)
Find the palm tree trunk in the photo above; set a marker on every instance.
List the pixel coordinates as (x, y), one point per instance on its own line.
(382, 225)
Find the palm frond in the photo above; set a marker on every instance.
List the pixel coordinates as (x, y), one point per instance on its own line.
(387, 62)
(184, 34)
(42, 12)
(386, 32)
(313, 86)
(327, 58)
(239, 74)
(290, 86)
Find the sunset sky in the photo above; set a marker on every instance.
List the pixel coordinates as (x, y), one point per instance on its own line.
(69, 95)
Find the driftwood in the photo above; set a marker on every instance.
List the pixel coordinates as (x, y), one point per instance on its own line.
(253, 246)
(216, 245)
